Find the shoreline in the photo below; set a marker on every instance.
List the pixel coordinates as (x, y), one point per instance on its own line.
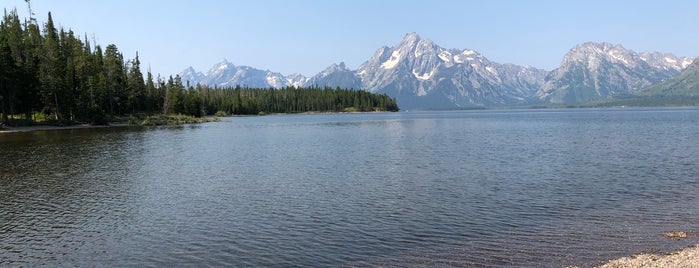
(157, 120)
(687, 257)
(6, 129)
(9, 129)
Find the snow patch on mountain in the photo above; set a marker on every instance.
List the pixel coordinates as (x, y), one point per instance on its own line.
(686, 62)
(445, 56)
(424, 76)
(491, 70)
(392, 61)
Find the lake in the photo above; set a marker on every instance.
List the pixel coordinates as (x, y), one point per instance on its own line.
(493, 188)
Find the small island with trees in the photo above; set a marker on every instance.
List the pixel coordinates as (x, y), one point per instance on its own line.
(51, 76)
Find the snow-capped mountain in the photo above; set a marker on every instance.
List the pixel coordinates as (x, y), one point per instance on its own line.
(225, 74)
(192, 76)
(337, 75)
(592, 71)
(296, 80)
(420, 73)
(666, 61)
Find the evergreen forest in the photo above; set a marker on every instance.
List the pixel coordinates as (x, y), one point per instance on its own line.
(53, 75)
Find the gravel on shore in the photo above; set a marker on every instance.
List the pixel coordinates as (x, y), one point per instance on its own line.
(686, 258)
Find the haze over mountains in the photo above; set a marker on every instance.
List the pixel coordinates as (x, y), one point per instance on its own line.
(421, 74)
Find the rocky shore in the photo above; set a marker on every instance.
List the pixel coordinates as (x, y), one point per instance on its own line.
(686, 258)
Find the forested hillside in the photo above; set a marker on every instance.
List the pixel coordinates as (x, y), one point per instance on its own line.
(50, 74)
(286, 100)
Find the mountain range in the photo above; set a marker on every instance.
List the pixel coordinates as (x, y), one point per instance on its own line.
(421, 74)
(225, 74)
(593, 71)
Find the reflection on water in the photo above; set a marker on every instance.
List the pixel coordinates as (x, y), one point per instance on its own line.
(476, 188)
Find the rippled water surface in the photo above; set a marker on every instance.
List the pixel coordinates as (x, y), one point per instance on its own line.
(544, 188)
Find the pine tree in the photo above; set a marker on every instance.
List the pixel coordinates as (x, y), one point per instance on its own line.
(115, 78)
(152, 96)
(50, 69)
(136, 86)
(7, 75)
(29, 95)
(12, 38)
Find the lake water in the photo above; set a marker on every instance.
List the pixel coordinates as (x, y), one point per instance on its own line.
(541, 188)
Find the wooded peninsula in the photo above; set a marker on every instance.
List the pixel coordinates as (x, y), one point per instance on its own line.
(51, 75)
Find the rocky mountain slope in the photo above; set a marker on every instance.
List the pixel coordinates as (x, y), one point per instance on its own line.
(337, 75)
(685, 83)
(593, 71)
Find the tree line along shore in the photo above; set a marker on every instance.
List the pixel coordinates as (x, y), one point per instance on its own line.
(52, 76)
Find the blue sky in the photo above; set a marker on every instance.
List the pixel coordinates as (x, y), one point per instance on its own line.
(306, 36)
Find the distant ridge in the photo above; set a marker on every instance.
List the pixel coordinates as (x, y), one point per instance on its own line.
(684, 84)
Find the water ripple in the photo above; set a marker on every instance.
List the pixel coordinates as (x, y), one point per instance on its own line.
(473, 189)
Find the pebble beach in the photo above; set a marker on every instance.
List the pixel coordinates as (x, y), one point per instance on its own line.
(686, 258)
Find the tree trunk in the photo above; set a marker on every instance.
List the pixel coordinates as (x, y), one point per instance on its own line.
(166, 102)
(111, 102)
(4, 114)
(9, 103)
(28, 116)
(55, 99)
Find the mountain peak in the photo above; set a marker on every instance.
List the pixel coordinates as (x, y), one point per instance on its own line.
(411, 36)
(191, 75)
(410, 39)
(223, 62)
(335, 67)
(666, 60)
(594, 53)
(598, 47)
(337, 75)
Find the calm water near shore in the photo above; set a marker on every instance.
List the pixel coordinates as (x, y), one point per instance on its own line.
(544, 188)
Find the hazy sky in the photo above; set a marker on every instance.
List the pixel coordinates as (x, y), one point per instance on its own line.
(306, 36)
